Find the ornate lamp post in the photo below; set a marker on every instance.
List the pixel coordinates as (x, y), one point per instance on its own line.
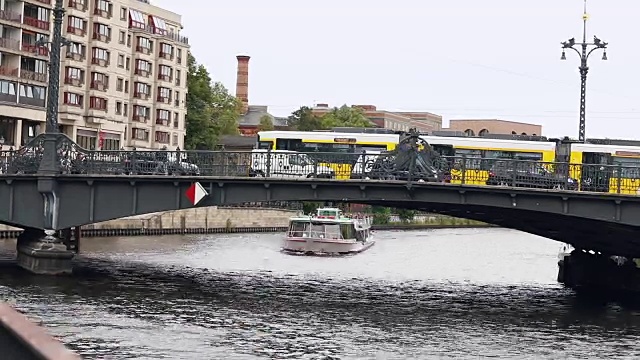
(585, 49)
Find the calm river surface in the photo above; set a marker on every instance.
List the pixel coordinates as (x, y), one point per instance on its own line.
(456, 293)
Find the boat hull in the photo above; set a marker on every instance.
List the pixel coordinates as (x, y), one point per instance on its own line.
(312, 246)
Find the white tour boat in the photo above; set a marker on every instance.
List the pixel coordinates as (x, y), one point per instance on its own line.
(328, 231)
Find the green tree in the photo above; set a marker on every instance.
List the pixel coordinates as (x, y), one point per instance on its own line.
(345, 116)
(211, 110)
(381, 215)
(266, 124)
(406, 215)
(303, 119)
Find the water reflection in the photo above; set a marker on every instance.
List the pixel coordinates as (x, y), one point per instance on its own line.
(119, 306)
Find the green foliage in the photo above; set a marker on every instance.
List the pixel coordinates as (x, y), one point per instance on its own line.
(266, 124)
(405, 215)
(381, 215)
(310, 207)
(211, 110)
(303, 119)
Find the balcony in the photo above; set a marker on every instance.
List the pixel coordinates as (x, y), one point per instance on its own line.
(163, 99)
(101, 37)
(107, 14)
(165, 35)
(75, 55)
(143, 50)
(7, 15)
(10, 44)
(75, 81)
(47, 2)
(35, 49)
(76, 31)
(78, 5)
(33, 76)
(100, 62)
(140, 118)
(43, 25)
(99, 85)
(8, 71)
(166, 55)
(163, 122)
(164, 77)
(142, 72)
(141, 95)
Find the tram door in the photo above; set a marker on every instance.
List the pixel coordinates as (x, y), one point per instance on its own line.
(595, 171)
(562, 159)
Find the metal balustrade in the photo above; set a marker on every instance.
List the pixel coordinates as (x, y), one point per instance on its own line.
(408, 164)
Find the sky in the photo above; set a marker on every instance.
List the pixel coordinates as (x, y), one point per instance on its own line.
(491, 59)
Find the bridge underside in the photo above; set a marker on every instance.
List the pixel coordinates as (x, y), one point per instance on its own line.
(601, 222)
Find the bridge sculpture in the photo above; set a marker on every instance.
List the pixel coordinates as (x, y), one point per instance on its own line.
(52, 185)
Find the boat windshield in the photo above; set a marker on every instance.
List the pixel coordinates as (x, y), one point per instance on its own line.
(320, 230)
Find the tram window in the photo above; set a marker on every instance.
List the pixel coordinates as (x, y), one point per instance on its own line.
(265, 145)
(444, 150)
(288, 144)
(361, 148)
(473, 158)
(629, 167)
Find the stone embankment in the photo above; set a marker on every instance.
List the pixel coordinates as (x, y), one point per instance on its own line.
(229, 220)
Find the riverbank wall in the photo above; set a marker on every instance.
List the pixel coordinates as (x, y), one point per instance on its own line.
(212, 220)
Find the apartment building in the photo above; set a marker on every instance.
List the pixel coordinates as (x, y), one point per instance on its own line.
(122, 77)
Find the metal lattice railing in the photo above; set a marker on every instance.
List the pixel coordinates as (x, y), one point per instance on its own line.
(410, 162)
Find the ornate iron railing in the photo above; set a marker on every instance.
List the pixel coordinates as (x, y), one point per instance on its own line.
(410, 162)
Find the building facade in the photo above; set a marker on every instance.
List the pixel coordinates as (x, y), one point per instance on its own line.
(479, 127)
(122, 77)
(398, 121)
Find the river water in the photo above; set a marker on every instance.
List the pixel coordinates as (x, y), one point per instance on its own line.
(454, 293)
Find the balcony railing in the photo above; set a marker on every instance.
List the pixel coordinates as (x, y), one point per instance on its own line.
(32, 75)
(140, 118)
(44, 25)
(165, 55)
(163, 122)
(7, 71)
(77, 81)
(143, 49)
(76, 31)
(48, 2)
(164, 77)
(102, 13)
(167, 35)
(141, 72)
(78, 5)
(99, 85)
(9, 44)
(163, 99)
(101, 37)
(35, 49)
(99, 61)
(10, 16)
(141, 95)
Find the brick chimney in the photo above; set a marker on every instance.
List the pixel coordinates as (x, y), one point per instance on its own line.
(242, 81)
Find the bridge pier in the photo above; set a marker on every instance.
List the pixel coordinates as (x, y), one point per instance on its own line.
(43, 253)
(606, 274)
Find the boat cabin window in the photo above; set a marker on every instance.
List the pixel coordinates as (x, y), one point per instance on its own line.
(328, 213)
(348, 232)
(315, 230)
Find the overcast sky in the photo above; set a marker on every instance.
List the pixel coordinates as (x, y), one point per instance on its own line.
(457, 58)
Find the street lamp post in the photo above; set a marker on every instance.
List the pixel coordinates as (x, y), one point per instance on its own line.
(49, 163)
(585, 50)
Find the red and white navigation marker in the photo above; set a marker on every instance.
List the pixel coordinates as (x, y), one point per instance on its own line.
(195, 193)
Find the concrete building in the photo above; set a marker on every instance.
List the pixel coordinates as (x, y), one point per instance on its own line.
(474, 127)
(400, 121)
(251, 115)
(122, 77)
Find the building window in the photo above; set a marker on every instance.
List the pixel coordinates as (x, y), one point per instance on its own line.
(119, 84)
(140, 134)
(73, 99)
(86, 139)
(110, 141)
(179, 56)
(76, 25)
(143, 67)
(7, 88)
(177, 77)
(141, 113)
(122, 37)
(159, 25)
(136, 19)
(120, 61)
(164, 94)
(142, 90)
(98, 103)
(163, 117)
(164, 72)
(166, 51)
(32, 91)
(123, 13)
(176, 120)
(103, 8)
(125, 110)
(144, 45)
(76, 51)
(99, 81)
(78, 4)
(100, 56)
(118, 107)
(73, 76)
(162, 137)
(101, 32)
(126, 86)
(175, 140)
